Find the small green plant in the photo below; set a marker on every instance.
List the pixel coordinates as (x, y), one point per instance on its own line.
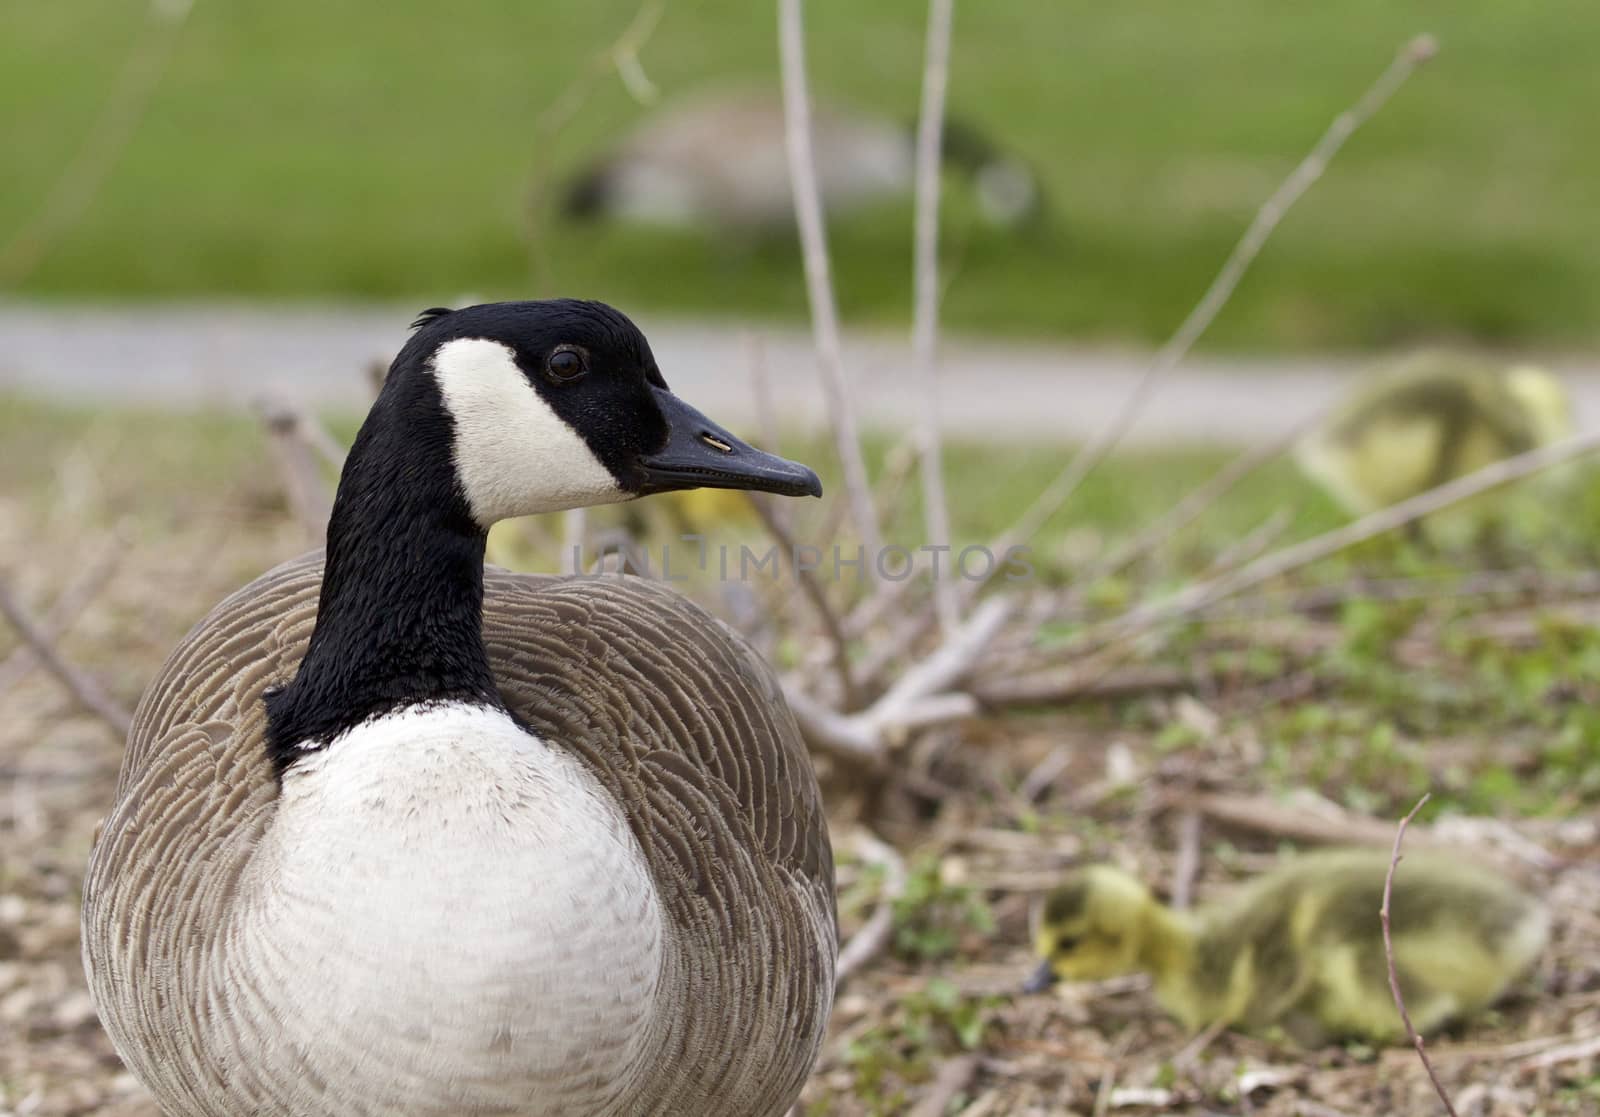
(924, 1026)
(931, 915)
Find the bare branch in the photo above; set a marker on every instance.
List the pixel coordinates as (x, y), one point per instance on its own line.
(842, 735)
(755, 352)
(66, 608)
(1252, 543)
(898, 465)
(1202, 594)
(1531, 584)
(376, 373)
(946, 666)
(1195, 503)
(1079, 684)
(1324, 823)
(819, 281)
(1044, 774)
(922, 696)
(1388, 953)
(310, 496)
(120, 115)
(870, 941)
(925, 323)
(574, 530)
(1267, 218)
(811, 588)
(1188, 862)
(621, 55)
(1586, 1048)
(89, 693)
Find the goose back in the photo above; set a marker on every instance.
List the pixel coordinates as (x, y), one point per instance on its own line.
(679, 722)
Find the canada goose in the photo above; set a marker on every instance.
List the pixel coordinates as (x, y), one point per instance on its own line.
(1302, 947)
(718, 160)
(484, 843)
(1432, 418)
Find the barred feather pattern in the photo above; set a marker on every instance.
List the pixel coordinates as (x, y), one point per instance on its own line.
(670, 712)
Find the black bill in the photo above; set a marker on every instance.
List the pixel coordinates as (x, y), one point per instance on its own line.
(701, 455)
(1040, 979)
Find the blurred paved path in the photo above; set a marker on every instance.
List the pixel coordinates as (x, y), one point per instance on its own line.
(229, 354)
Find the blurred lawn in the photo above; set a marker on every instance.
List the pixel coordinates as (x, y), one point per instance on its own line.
(368, 149)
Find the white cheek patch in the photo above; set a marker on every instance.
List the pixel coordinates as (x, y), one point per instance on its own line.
(514, 456)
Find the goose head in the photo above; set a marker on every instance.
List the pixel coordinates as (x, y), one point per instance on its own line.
(559, 404)
(488, 412)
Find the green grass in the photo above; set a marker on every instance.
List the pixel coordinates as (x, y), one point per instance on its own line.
(366, 149)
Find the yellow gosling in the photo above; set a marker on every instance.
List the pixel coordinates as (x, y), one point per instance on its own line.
(1301, 948)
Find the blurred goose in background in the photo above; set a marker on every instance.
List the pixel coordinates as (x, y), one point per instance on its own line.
(396, 836)
(718, 161)
(1301, 948)
(1431, 418)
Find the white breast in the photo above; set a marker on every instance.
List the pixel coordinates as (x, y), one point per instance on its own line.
(459, 921)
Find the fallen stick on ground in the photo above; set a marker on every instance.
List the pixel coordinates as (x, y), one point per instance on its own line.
(1586, 1048)
(1187, 866)
(923, 695)
(65, 610)
(954, 1076)
(87, 690)
(870, 941)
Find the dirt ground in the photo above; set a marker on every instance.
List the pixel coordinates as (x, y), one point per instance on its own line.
(999, 808)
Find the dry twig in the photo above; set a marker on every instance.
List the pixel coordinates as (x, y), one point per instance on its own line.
(1324, 823)
(1267, 218)
(954, 1076)
(1388, 953)
(1188, 861)
(1078, 684)
(922, 696)
(1203, 594)
(1195, 503)
(621, 55)
(574, 533)
(755, 353)
(925, 324)
(295, 451)
(819, 280)
(1585, 1048)
(90, 694)
(870, 941)
(65, 609)
(811, 588)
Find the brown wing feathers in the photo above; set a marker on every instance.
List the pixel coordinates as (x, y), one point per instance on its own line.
(673, 714)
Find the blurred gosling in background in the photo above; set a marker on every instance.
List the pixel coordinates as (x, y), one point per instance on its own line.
(1411, 426)
(1301, 948)
(718, 161)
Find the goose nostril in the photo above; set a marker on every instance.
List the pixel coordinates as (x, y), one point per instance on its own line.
(714, 442)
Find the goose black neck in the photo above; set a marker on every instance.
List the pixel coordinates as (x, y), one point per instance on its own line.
(400, 618)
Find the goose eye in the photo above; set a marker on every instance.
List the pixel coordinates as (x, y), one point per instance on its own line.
(1066, 944)
(566, 365)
